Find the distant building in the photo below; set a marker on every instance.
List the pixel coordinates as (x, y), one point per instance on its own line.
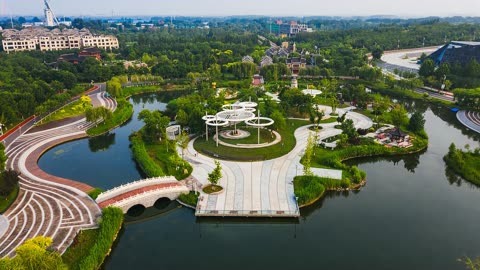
(91, 52)
(288, 29)
(457, 52)
(295, 64)
(266, 61)
(39, 38)
(247, 59)
(81, 56)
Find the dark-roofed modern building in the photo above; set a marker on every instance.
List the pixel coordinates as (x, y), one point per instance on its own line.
(457, 52)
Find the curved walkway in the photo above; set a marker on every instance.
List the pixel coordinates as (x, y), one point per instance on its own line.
(48, 205)
(263, 188)
(470, 119)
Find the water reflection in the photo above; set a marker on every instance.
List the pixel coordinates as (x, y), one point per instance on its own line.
(102, 142)
(139, 214)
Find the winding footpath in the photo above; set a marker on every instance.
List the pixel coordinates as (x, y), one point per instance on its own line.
(470, 119)
(48, 205)
(261, 188)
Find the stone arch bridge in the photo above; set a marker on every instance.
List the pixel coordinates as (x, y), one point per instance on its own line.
(143, 192)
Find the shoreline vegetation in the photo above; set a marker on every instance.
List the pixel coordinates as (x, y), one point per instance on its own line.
(309, 189)
(90, 248)
(464, 163)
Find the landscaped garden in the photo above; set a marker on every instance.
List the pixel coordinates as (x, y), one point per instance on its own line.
(229, 153)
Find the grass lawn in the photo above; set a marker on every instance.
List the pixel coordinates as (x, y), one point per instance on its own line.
(71, 110)
(80, 248)
(90, 247)
(265, 136)
(288, 143)
(5, 202)
(332, 119)
(169, 161)
(189, 199)
(465, 164)
(212, 189)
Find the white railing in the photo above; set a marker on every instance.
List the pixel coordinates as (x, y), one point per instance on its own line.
(133, 185)
(136, 198)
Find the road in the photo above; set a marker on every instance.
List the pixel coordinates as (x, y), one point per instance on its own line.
(435, 95)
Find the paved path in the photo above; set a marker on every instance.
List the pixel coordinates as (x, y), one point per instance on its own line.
(262, 188)
(47, 205)
(4, 224)
(470, 119)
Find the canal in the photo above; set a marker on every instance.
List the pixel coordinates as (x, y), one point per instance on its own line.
(412, 214)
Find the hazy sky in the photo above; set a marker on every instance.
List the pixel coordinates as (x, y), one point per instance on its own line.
(245, 7)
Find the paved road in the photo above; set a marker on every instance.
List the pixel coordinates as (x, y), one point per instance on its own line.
(47, 205)
(434, 95)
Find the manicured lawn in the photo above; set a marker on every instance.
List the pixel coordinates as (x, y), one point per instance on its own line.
(265, 136)
(288, 143)
(94, 193)
(189, 199)
(5, 202)
(212, 189)
(71, 110)
(123, 112)
(332, 119)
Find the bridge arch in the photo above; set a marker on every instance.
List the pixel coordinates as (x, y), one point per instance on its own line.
(136, 210)
(148, 193)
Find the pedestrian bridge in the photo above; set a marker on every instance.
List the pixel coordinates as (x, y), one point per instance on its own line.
(142, 192)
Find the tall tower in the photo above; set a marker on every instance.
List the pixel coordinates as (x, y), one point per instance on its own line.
(50, 19)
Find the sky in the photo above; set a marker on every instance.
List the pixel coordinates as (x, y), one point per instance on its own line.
(403, 8)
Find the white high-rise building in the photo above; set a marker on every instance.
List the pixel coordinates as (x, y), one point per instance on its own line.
(49, 21)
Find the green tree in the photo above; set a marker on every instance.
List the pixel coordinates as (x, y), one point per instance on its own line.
(416, 122)
(182, 118)
(307, 158)
(427, 68)
(3, 157)
(216, 174)
(377, 53)
(279, 122)
(34, 254)
(8, 182)
(182, 141)
(398, 115)
(348, 128)
(155, 124)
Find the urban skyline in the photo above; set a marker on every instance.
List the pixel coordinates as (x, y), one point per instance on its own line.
(404, 8)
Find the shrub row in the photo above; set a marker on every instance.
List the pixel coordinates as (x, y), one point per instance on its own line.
(121, 115)
(140, 154)
(110, 225)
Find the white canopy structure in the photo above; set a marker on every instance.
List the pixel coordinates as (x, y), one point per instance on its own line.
(236, 113)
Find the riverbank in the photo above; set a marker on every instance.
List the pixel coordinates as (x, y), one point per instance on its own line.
(310, 189)
(158, 159)
(122, 114)
(464, 163)
(90, 248)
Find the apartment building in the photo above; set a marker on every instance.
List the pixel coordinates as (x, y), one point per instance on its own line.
(39, 38)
